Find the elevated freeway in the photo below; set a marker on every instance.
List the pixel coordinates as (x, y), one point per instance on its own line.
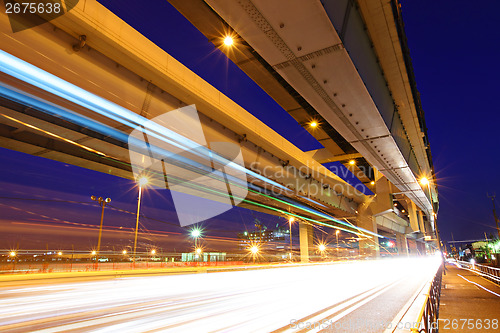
(73, 90)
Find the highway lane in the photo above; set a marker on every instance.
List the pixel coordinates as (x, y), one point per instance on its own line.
(310, 297)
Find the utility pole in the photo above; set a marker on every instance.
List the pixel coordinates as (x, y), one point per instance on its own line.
(495, 213)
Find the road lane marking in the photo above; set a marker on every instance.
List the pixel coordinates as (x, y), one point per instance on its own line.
(397, 319)
(480, 286)
(323, 316)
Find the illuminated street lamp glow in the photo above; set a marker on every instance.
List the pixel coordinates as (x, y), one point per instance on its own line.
(93, 253)
(59, 253)
(12, 253)
(198, 251)
(424, 181)
(254, 249)
(228, 41)
(143, 181)
(124, 252)
(337, 232)
(322, 247)
(372, 183)
(195, 233)
(153, 251)
(313, 124)
(352, 162)
(291, 219)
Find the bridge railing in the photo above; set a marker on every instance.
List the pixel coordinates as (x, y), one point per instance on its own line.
(427, 321)
(488, 272)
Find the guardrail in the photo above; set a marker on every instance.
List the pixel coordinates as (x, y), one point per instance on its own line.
(428, 318)
(488, 272)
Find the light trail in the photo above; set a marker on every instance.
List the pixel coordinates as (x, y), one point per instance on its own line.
(480, 286)
(252, 300)
(37, 77)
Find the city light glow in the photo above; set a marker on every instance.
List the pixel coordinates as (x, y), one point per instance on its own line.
(195, 233)
(143, 181)
(228, 41)
(424, 181)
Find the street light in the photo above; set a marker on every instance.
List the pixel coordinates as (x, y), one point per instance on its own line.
(12, 253)
(352, 162)
(424, 181)
(313, 124)
(322, 249)
(143, 181)
(124, 252)
(59, 253)
(153, 252)
(228, 41)
(290, 221)
(254, 250)
(102, 202)
(195, 233)
(93, 253)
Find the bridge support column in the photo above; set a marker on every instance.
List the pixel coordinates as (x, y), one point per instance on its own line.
(402, 244)
(306, 240)
(421, 223)
(368, 246)
(412, 214)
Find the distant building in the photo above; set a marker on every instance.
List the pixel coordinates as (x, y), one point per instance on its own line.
(269, 240)
(204, 257)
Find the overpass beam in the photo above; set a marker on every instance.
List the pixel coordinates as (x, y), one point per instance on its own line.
(368, 244)
(306, 240)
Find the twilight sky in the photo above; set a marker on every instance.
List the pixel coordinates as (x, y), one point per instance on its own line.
(455, 52)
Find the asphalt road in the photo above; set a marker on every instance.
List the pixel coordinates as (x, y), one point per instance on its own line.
(359, 296)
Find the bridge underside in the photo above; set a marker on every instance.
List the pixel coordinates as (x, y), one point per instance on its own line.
(122, 67)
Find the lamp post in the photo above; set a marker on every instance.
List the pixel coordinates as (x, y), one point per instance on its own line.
(290, 221)
(196, 233)
(13, 255)
(424, 181)
(102, 202)
(142, 182)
